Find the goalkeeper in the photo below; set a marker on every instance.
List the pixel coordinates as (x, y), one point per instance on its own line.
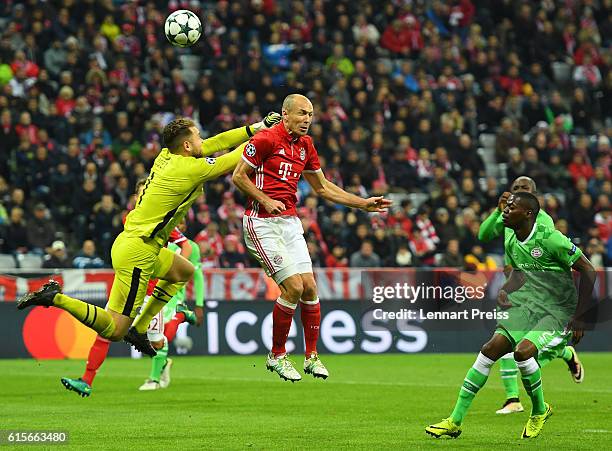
(162, 328)
(138, 253)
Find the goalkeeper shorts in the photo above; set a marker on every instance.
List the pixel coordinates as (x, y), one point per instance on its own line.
(135, 261)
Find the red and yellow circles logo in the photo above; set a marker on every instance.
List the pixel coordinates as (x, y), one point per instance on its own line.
(50, 333)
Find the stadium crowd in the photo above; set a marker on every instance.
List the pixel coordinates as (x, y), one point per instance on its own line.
(405, 92)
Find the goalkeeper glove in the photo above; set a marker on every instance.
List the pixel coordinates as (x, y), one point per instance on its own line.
(271, 119)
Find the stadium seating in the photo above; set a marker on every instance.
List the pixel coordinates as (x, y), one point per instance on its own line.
(29, 261)
(7, 261)
(54, 84)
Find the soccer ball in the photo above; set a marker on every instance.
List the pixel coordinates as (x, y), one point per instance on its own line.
(183, 28)
(183, 344)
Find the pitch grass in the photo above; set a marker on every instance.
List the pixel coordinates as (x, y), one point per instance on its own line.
(370, 402)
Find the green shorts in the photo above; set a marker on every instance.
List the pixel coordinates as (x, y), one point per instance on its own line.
(545, 331)
(135, 261)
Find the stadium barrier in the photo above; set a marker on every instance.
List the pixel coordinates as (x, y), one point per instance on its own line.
(244, 325)
(251, 284)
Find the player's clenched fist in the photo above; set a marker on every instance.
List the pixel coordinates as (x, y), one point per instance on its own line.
(270, 120)
(502, 300)
(576, 326)
(503, 199)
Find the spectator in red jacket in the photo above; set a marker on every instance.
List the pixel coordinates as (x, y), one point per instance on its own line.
(30, 68)
(579, 167)
(26, 128)
(65, 102)
(337, 258)
(403, 37)
(462, 13)
(400, 218)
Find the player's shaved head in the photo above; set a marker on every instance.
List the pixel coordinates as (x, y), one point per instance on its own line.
(523, 184)
(292, 100)
(176, 132)
(297, 114)
(527, 201)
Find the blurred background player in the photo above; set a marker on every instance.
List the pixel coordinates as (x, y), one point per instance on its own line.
(545, 313)
(99, 349)
(271, 165)
(493, 227)
(138, 253)
(164, 325)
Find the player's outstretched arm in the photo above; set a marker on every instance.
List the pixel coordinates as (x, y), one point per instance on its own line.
(585, 291)
(242, 180)
(211, 168)
(236, 136)
(329, 191)
(493, 226)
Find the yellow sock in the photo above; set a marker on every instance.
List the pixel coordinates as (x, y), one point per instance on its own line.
(163, 292)
(92, 316)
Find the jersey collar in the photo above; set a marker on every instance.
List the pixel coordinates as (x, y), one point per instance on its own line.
(535, 224)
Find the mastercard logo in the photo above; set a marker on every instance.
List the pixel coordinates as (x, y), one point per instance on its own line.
(51, 333)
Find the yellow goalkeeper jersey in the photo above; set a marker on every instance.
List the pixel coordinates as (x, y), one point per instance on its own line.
(176, 182)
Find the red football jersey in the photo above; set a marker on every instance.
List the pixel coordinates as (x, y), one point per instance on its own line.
(279, 160)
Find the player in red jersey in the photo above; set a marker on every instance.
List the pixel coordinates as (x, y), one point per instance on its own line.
(99, 348)
(271, 165)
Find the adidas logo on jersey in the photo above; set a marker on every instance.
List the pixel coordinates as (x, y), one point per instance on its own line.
(281, 151)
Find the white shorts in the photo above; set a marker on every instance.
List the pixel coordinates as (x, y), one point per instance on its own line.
(278, 244)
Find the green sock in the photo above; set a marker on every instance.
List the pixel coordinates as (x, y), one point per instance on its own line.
(158, 362)
(474, 380)
(567, 354)
(92, 316)
(532, 381)
(509, 373)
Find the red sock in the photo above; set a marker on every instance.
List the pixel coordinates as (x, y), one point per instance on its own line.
(171, 326)
(311, 321)
(97, 355)
(281, 323)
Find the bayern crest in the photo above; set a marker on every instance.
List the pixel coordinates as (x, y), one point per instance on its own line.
(302, 153)
(278, 259)
(536, 252)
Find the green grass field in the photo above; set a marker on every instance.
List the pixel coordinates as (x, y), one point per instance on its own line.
(369, 402)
